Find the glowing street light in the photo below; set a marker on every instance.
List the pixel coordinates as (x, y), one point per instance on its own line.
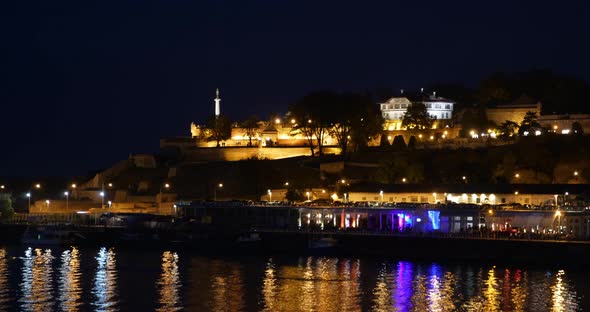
(110, 204)
(73, 185)
(306, 193)
(67, 195)
(404, 180)
(102, 199)
(29, 197)
(517, 175)
(218, 186)
(2, 186)
(47, 203)
(381, 194)
(37, 186)
(270, 195)
(575, 173)
(166, 186)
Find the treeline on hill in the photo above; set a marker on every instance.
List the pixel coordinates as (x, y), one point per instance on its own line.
(559, 94)
(539, 156)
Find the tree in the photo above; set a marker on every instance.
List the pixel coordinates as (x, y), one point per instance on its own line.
(218, 128)
(250, 126)
(416, 117)
(6, 210)
(475, 119)
(312, 115)
(529, 123)
(507, 129)
(577, 129)
(367, 124)
(398, 143)
(412, 142)
(353, 118)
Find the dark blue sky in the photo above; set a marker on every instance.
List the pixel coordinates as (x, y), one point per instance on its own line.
(83, 84)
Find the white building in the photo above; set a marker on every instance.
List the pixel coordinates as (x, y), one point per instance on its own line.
(393, 110)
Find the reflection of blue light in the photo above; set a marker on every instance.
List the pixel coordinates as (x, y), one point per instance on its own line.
(433, 215)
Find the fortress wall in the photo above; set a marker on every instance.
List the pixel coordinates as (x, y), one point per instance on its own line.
(240, 153)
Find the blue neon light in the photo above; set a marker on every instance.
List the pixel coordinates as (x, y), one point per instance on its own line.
(434, 217)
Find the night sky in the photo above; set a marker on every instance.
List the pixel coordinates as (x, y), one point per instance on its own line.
(83, 83)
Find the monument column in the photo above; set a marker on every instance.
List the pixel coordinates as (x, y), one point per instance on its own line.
(217, 101)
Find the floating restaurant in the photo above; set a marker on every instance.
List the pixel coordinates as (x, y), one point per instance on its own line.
(397, 218)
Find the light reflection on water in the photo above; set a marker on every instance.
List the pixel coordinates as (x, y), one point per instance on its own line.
(69, 281)
(4, 288)
(105, 281)
(37, 280)
(277, 284)
(169, 283)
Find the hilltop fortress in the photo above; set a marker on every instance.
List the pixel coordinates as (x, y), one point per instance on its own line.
(277, 138)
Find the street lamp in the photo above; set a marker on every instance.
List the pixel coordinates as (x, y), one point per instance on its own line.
(37, 186)
(110, 204)
(102, 198)
(220, 186)
(345, 198)
(381, 194)
(306, 193)
(47, 203)
(404, 180)
(2, 186)
(166, 186)
(517, 175)
(67, 195)
(575, 173)
(29, 196)
(270, 195)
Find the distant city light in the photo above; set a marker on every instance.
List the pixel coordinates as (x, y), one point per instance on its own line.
(278, 121)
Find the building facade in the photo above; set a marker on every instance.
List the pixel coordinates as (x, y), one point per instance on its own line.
(393, 110)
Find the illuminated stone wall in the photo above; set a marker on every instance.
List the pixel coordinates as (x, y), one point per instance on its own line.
(514, 113)
(240, 153)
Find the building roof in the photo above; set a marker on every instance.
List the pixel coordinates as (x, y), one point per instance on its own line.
(472, 188)
(419, 97)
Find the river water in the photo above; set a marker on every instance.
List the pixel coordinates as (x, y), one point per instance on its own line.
(110, 279)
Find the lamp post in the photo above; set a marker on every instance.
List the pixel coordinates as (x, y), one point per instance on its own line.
(381, 194)
(345, 198)
(558, 215)
(218, 186)
(47, 203)
(270, 195)
(110, 204)
(166, 186)
(307, 193)
(67, 195)
(29, 197)
(102, 198)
